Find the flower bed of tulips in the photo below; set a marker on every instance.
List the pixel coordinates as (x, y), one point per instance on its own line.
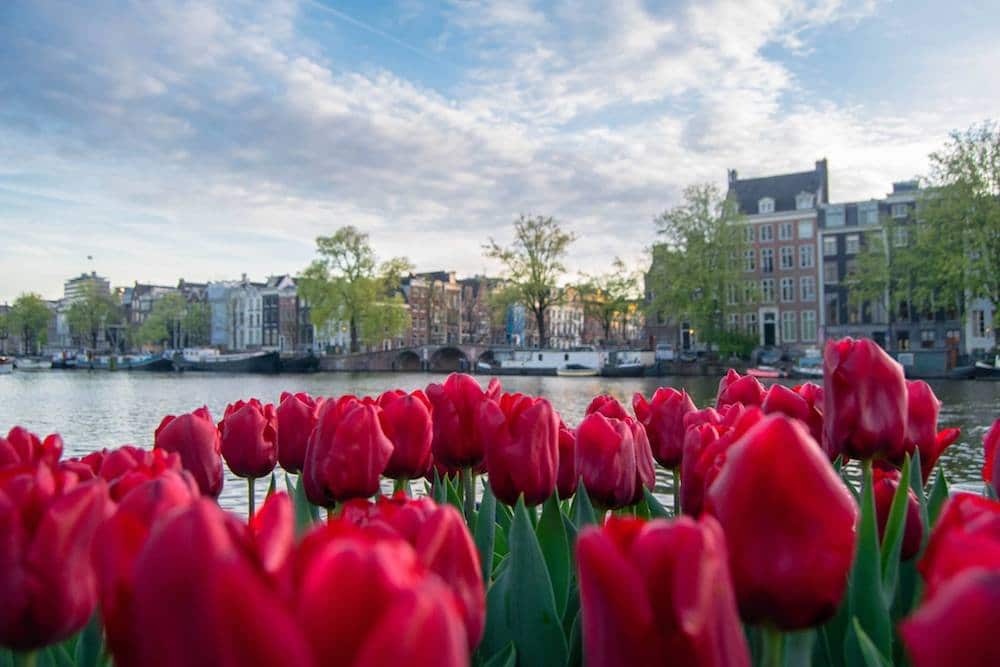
(768, 555)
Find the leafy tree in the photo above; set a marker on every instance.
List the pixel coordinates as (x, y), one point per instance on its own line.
(91, 314)
(610, 297)
(29, 319)
(175, 323)
(698, 262)
(347, 284)
(532, 267)
(197, 323)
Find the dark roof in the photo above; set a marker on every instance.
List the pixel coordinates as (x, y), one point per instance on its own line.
(783, 188)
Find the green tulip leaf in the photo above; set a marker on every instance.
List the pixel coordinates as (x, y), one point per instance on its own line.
(556, 550)
(438, 491)
(531, 606)
(485, 535)
(869, 652)
(57, 656)
(505, 658)
(799, 647)
(454, 494)
(498, 634)
(939, 494)
(304, 517)
(90, 643)
(6, 657)
(575, 658)
(583, 511)
(656, 509)
(895, 529)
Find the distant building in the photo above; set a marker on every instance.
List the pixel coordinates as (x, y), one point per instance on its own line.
(434, 300)
(75, 289)
(138, 301)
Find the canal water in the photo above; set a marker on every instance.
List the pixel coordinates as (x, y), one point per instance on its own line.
(94, 410)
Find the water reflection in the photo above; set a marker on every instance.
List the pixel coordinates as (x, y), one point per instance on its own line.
(96, 410)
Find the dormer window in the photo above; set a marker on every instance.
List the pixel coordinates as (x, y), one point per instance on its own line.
(765, 205)
(804, 200)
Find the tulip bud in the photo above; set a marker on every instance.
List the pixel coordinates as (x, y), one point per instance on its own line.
(196, 439)
(567, 478)
(296, 415)
(921, 426)
(614, 459)
(708, 446)
(22, 447)
(456, 444)
(795, 403)
(886, 481)
(663, 418)
(965, 537)
(736, 388)
(607, 406)
(406, 421)
(789, 523)
(521, 435)
(249, 433)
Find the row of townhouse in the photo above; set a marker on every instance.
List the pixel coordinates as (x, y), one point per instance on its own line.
(799, 263)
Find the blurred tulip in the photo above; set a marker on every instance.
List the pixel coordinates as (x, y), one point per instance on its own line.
(789, 523)
(128, 466)
(965, 537)
(658, 593)
(567, 478)
(202, 597)
(991, 464)
(456, 444)
(607, 406)
(195, 437)
(521, 436)
(22, 447)
(406, 421)
(921, 426)
(663, 419)
(614, 459)
(796, 404)
(346, 454)
(703, 416)
(958, 626)
(736, 388)
(47, 582)
(864, 401)
(249, 433)
(886, 481)
(296, 415)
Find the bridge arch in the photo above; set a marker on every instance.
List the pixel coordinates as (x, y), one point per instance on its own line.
(449, 359)
(407, 360)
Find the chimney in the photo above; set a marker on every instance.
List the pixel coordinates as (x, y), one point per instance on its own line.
(732, 179)
(824, 182)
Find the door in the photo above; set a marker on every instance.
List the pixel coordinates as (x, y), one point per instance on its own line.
(770, 330)
(685, 336)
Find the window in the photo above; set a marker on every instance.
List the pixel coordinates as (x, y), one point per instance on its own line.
(953, 336)
(852, 243)
(734, 321)
(927, 338)
(804, 200)
(787, 257)
(765, 205)
(808, 325)
(750, 323)
(767, 260)
(805, 229)
(832, 308)
(788, 327)
(785, 231)
(903, 341)
(748, 292)
(732, 294)
(900, 237)
(835, 216)
(979, 323)
(787, 289)
(806, 257)
(851, 269)
(750, 260)
(830, 272)
(807, 288)
(829, 246)
(767, 290)
(766, 233)
(899, 210)
(749, 234)
(868, 213)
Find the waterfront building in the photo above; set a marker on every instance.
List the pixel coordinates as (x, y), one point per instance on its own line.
(246, 310)
(434, 300)
(75, 289)
(476, 324)
(279, 314)
(138, 300)
(563, 324)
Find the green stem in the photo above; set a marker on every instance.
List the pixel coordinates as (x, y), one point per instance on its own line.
(469, 491)
(25, 659)
(403, 485)
(677, 490)
(251, 498)
(773, 646)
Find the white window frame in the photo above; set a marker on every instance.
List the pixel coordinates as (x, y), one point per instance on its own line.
(804, 200)
(750, 260)
(810, 333)
(805, 229)
(767, 258)
(807, 295)
(767, 290)
(829, 243)
(807, 256)
(787, 287)
(766, 233)
(852, 240)
(786, 252)
(900, 210)
(789, 326)
(786, 231)
(765, 205)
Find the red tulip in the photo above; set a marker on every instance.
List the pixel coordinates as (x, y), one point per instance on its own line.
(195, 437)
(736, 388)
(443, 545)
(521, 435)
(273, 530)
(406, 421)
(705, 451)
(958, 626)
(921, 426)
(202, 597)
(296, 415)
(864, 402)
(658, 593)
(456, 444)
(614, 459)
(607, 406)
(127, 467)
(793, 403)
(567, 479)
(249, 433)
(363, 599)
(965, 537)
(21, 447)
(663, 419)
(703, 416)
(789, 523)
(47, 583)
(886, 481)
(346, 454)
(117, 546)
(991, 465)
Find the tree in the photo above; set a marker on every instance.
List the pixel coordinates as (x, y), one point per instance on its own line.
(29, 319)
(696, 272)
(532, 267)
(175, 323)
(609, 298)
(347, 284)
(91, 314)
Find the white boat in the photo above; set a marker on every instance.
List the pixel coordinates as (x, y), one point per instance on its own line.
(542, 362)
(6, 365)
(32, 365)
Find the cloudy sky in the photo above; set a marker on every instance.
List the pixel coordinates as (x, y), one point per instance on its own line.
(208, 139)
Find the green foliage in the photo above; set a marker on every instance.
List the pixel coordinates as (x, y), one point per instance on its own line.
(698, 262)
(29, 318)
(92, 314)
(175, 322)
(610, 297)
(347, 284)
(533, 267)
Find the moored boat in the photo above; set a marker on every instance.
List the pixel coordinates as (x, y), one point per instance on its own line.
(300, 363)
(6, 365)
(246, 362)
(766, 372)
(987, 371)
(33, 364)
(626, 370)
(576, 371)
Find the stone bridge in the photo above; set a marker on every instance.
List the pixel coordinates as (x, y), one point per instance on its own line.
(431, 358)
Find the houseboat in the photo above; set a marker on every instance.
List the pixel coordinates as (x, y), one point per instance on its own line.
(574, 362)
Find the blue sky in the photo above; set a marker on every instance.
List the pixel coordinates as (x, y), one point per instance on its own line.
(203, 140)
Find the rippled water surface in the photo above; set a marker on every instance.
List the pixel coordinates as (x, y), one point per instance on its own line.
(93, 410)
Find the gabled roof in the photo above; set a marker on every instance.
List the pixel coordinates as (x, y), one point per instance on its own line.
(782, 188)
